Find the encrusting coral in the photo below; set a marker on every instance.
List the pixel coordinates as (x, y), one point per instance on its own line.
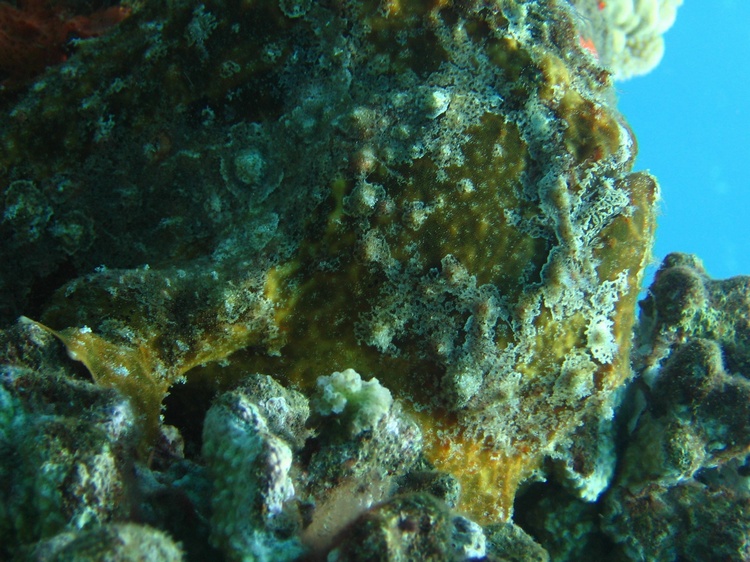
(438, 196)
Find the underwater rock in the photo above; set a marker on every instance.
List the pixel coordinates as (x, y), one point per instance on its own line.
(176, 499)
(693, 350)
(250, 470)
(412, 527)
(266, 490)
(361, 456)
(508, 542)
(66, 444)
(286, 411)
(118, 542)
(562, 525)
(682, 490)
(71, 483)
(687, 521)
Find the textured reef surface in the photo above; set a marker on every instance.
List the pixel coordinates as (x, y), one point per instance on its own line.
(348, 280)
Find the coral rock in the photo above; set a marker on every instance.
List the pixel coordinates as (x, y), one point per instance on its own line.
(119, 542)
(681, 491)
(250, 469)
(409, 528)
(67, 446)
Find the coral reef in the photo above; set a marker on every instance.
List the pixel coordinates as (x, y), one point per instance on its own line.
(345, 279)
(682, 491)
(627, 35)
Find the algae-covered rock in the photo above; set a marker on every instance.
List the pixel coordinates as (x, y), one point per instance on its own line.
(409, 528)
(71, 484)
(123, 542)
(271, 498)
(682, 491)
(361, 457)
(686, 521)
(693, 351)
(508, 542)
(66, 449)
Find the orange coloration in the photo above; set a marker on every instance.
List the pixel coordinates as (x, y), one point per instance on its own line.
(34, 35)
(489, 480)
(138, 370)
(588, 44)
(602, 5)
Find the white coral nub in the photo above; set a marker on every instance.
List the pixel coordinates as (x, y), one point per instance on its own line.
(366, 401)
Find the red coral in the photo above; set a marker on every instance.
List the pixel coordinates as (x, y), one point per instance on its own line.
(34, 35)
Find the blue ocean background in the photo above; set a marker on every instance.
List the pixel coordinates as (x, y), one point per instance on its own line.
(691, 116)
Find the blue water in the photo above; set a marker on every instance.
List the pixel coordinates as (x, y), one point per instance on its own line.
(692, 119)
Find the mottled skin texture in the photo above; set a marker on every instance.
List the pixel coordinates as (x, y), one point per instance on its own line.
(439, 196)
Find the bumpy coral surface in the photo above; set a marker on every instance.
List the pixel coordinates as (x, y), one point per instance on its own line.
(682, 491)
